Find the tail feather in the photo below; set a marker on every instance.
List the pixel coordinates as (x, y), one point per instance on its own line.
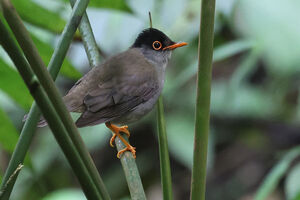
(73, 105)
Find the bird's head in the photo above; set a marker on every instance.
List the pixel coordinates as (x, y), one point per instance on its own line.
(155, 44)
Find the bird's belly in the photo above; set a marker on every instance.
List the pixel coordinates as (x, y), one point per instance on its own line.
(138, 112)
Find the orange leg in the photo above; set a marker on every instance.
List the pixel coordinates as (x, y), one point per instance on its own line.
(116, 130)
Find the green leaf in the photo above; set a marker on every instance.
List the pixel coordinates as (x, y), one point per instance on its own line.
(12, 84)
(292, 184)
(180, 138)
(297, 197)
(242, 102)
(46, 51)
(115, 4)
(42, 17)
(8, 133)
(275, 27)
(231, 48)
(220, 53)
(74, 194)
(277, 172)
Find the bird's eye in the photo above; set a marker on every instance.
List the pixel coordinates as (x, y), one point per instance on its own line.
(156, 45)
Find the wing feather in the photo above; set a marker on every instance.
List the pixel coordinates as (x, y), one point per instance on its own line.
(126, 88)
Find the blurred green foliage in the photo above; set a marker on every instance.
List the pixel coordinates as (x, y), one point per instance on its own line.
(292, 187)
(9, 134)
(276, 174)
(22, 96)
(55, 23)
(255, 99)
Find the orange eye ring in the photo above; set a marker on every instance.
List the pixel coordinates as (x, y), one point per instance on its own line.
(156, 45)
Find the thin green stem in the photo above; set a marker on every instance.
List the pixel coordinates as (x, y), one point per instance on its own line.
(49, 113)
(21, 149)
(54, 66)
(10, 181)
(131, 172)
(94, 59)
(165, 169)
(128, 162)
(88, 39)
(56, 60)
(205, 50)
(89, 42)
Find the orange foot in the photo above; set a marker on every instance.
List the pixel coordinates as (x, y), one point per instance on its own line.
(115, 129)
(116, 132)
(127, 148)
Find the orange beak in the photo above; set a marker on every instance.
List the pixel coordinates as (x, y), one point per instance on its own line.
(174, 46)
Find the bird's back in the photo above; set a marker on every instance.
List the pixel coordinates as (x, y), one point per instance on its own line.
(124, 75)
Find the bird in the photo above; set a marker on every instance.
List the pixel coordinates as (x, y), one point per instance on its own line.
(124, 88)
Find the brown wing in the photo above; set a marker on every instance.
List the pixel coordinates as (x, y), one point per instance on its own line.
(122, 85)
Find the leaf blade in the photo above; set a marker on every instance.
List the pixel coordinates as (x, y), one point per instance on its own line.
(45, 50)
(8, 133)
(116, 5)
(25, 8)
(16, 88)
(276, 173)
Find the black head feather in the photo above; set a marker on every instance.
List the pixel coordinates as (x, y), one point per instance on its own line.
(150, 35)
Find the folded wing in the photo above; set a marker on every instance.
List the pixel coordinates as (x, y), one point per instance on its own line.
(112, 90)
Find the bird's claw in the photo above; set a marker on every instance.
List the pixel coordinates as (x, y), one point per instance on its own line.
(124, 129)
(112, 139)
(128, 148)
(116, 133)
(115, 130)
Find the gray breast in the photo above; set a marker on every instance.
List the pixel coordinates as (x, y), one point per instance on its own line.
(159, 62)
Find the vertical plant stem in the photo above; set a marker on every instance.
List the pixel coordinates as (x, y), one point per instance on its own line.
(10, 180)
(54, 66)
(131, 172)
(128, 162)
(205, 51)
(165, 169)
(20, 150)
(56, 60)
(49, 113)
(88, 39)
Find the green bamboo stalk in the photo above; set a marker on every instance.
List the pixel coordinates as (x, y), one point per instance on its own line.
(89, 42)
(88, 39)
(165, 169)
(10, 180)
(54, 66)
(205, 51)
(49, 113)
(20, 150)
(131, 172)
(128, 162)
